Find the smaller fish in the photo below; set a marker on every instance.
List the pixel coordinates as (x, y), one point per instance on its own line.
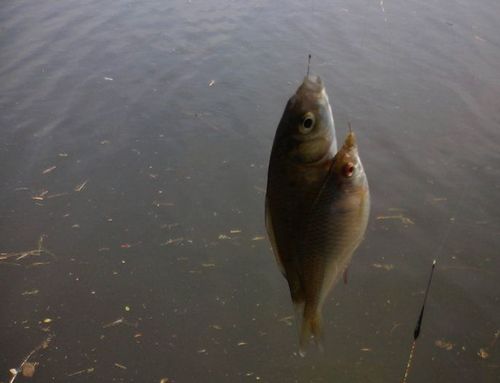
(333, 230)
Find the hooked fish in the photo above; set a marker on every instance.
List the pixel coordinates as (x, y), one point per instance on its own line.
(317, 202)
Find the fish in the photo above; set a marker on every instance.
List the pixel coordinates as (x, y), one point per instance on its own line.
(317, 203)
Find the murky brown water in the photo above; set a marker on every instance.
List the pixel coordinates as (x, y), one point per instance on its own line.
(147, 184)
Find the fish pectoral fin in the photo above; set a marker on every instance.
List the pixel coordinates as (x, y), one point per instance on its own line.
(328, 176)
(272, 239)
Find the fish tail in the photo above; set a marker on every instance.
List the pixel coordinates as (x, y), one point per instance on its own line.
(312, 327)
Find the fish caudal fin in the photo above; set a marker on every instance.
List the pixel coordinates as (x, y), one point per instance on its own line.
(312, 328)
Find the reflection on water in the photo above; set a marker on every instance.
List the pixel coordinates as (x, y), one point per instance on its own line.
(134, 145)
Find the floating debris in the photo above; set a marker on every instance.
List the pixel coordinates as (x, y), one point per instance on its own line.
(50, 196)
(224, 236)
(394, 327)
(483, 353)
(258, 238)
(79, 187)
(170, 226)
(28, 369)
(32, 292)
(445, 345)
(495, 338)
(242, 343)
(211, 83)
(120, 321)
(87, 370)
(48, 170)
(47, 320)
(6, 258)
(216, 327)
(386, 266)
(288, 320)
(208, 264)
(120, 366)
(108, 78)
(366, 349)
(41, 196)
(172, 241)
(235, 231)
(38, 264)
(404, 220)
(114, 323)
(127, 308)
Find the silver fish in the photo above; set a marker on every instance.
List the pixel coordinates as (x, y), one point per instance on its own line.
(317, 203)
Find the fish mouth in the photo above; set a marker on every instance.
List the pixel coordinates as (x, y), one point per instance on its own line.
(312, 89)
(313, 83)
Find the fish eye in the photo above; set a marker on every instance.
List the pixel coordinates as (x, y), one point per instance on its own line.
(307, 123)
(348, 169)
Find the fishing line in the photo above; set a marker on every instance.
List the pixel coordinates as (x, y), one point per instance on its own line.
(416, 332)
(465, 189)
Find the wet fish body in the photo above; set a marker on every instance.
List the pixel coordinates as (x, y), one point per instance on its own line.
(317, 202)
(333, 230)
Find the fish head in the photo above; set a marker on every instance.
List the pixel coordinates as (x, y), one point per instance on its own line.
(306, 131)
(347, 164)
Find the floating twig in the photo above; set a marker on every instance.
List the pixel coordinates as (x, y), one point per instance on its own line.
(87, 370)
(120, 321)
(79, 187)
(404, 220)
(48, 170)
(6, 258)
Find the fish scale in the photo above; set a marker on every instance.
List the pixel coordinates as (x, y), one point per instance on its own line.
(335, 228)
(317, 202)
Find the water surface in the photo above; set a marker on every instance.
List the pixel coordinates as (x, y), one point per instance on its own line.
(135, 137)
